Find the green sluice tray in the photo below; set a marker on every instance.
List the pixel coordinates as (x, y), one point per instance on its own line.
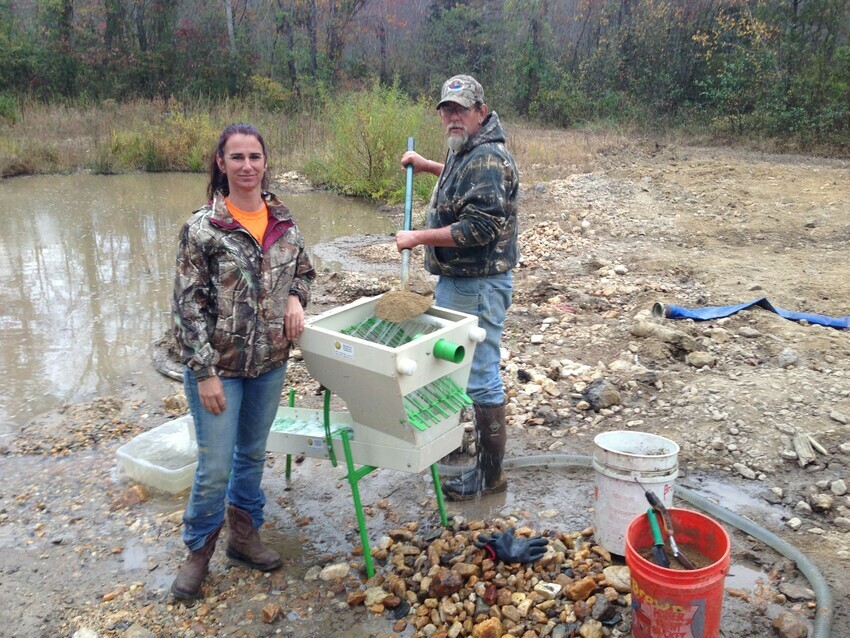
(434, 402)
(313, 427)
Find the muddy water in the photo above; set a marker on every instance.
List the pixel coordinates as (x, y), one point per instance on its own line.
(87, 265)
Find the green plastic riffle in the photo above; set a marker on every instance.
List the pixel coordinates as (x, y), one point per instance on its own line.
(390, 333)
(434, 402)
(313, 427)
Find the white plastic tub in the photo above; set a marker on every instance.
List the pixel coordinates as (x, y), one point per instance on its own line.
(164, 458)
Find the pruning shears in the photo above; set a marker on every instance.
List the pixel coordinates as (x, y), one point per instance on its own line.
(667, 524)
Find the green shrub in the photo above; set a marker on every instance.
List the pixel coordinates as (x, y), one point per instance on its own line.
(271, 95)
(562, 106)
(104, 161)
(9, 110)
(367, 133)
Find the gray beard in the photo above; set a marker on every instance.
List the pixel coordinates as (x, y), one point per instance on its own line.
(456, 142)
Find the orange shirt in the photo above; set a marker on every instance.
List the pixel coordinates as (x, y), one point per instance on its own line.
(255, 223)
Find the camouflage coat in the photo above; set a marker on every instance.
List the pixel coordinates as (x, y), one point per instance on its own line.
(477, 196)
(230, 294)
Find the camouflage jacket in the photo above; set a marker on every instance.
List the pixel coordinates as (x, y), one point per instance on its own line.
(477, 196)
(230, 294)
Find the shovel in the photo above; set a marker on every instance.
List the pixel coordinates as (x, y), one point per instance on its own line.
(658, 554)
(401, 305)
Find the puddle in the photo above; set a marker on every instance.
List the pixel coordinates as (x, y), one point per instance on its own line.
(161, 580)
(296, 558)
(736, 498)
(343, 250)
(745, 576)
(134, 556)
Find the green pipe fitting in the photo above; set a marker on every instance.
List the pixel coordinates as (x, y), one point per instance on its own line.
(449, 351)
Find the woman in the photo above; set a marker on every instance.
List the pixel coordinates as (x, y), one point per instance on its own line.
(242, 284)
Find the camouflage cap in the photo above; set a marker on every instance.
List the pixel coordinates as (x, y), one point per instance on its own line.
(463, 89)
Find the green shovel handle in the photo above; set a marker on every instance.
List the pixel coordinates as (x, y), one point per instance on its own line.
(653, 525)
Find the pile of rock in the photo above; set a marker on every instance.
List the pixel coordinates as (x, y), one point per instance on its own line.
(446, 587)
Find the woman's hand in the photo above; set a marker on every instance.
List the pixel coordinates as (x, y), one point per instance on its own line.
(293, 318)
(211, 393)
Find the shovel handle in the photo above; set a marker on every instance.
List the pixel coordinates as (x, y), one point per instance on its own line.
(653, 526)
(408, 214)
(658, 542)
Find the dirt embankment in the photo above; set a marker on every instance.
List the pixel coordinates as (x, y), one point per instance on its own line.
(678, 225)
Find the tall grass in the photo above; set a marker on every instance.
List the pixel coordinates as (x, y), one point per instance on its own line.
(352, 145)
(544, 154)
(145, 135)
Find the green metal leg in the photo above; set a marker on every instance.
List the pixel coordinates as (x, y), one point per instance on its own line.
(327, 416)
(354, 477)
(289, 456)
(441, 504)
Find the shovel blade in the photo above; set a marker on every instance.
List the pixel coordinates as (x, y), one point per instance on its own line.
(659, 557)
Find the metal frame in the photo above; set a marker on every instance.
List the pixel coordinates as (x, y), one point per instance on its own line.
(355, 474)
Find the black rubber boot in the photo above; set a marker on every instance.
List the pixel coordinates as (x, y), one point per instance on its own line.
(487, 476)
(187, 584)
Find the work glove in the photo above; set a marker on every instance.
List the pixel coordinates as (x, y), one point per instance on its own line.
(505, 547)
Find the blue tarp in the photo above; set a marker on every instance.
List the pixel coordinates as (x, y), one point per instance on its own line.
(716, 312)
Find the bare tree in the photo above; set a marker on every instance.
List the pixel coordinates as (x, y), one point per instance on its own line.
(113, 33)
(231, 33)
(340, 15)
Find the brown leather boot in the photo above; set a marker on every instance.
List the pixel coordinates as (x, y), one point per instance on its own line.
(187, 584)
(244, 545)
(487, 476)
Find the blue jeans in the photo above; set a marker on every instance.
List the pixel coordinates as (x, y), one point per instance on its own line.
(488, 298)
(231, 451)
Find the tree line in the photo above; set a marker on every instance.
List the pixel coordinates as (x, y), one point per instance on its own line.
(767, 67)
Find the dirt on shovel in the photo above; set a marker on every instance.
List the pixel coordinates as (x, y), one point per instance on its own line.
(401, 305)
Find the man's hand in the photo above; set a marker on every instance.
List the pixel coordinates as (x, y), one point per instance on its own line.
(412, 157)
(509, 549)
(420, 164)
(406, 239)
(211, 393)
(293, 318)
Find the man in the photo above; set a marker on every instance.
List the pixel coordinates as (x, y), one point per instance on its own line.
(471, 243)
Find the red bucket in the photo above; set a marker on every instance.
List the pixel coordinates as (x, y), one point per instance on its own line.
(670, 603)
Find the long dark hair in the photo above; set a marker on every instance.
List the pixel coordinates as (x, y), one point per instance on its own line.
(218, 180)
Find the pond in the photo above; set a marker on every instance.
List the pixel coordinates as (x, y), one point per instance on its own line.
(88, 265)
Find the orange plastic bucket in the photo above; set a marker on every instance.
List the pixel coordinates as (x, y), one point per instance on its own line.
(669, 603)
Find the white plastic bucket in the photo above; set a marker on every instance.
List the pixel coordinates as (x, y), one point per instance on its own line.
(620, 460)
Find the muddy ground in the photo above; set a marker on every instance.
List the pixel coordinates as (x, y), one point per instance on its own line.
(86, 552)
